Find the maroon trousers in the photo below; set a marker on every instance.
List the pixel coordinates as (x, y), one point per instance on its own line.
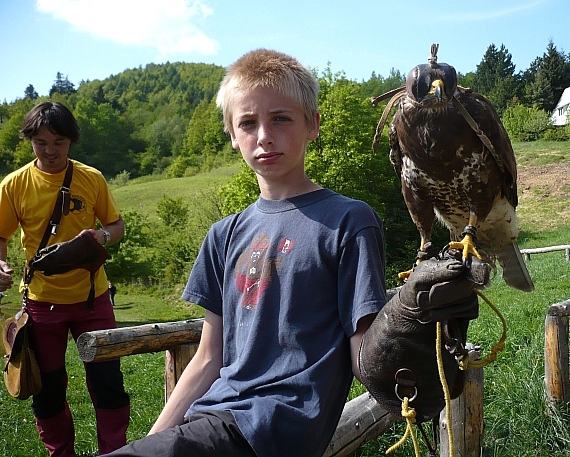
(49, 330)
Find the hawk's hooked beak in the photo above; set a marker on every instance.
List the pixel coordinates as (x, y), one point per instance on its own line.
(437, 89)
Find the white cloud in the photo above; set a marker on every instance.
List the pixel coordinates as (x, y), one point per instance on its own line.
(484, 14)
(167, 25)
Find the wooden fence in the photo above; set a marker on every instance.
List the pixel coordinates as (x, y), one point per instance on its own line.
(363, 419)
(563, 247)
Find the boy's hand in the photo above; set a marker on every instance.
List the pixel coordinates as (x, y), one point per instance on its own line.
(6, 280)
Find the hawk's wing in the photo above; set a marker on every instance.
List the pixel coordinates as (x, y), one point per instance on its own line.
(485, 115)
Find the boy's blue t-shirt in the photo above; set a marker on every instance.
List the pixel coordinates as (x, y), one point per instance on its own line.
(291, 279)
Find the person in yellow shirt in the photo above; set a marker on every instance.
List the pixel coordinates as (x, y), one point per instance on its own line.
(57, 304)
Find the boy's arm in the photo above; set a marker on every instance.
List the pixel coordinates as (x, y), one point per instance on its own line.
(355, 341)
(6, 280)
(199, 375)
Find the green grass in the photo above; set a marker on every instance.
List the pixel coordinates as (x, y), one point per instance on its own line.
(144, 379)
(516, 423)
(143, 195)
(535, 153)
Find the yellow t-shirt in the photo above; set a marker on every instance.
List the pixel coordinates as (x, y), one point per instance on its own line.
(27, 198)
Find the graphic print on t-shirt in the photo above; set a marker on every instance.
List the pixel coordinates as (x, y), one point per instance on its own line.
(256, 267)
(77, 204)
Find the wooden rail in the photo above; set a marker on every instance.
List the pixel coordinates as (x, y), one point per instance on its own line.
(563, 247)
(362, 419)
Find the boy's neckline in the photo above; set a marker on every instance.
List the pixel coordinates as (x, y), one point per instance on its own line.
(275, 206)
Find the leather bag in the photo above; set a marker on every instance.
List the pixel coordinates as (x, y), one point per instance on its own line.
(21, 372)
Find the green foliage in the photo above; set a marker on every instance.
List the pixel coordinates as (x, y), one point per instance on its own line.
(465, 80)
(105, 138)
(31, 93)
(557, 133)
(525, 124)
(205, 133)
(122, 179)
(23, 154)
(549, 77)
(240, 192)
(62, 86)
(132, 259)
(495, 77)
(173, 211)
(10, 132)
(378, 85)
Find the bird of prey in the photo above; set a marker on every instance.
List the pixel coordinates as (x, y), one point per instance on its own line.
(456, 163)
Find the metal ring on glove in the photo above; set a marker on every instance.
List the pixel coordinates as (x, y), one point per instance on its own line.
(412, 398)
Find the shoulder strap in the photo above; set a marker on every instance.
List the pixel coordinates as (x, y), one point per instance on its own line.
(61, 207)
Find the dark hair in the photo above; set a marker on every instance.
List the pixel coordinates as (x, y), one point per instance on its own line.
(55, 116)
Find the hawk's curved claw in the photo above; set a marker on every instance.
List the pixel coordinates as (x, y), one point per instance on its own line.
(404, 275)
(466, 246)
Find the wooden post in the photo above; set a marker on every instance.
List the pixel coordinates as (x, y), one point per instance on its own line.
(556, 353)
(175, 361)
(362, 419)
(466, 415)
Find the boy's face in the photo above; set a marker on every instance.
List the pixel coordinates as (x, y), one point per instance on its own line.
(51, 150)
(271, 132)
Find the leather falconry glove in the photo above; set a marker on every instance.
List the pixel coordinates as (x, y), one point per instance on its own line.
(398, 352)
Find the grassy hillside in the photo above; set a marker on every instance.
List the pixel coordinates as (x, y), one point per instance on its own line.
(143, 194)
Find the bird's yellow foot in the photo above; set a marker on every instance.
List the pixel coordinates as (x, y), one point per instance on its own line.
(404, 275)
(466, 246)
(426, 251)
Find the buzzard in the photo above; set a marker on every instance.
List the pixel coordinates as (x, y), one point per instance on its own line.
(456, 163)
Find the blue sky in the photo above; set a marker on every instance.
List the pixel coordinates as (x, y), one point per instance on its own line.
(93, 39)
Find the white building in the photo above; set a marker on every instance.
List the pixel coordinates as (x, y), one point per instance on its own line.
(560, 115)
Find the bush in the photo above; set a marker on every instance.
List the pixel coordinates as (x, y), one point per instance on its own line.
(525, 124)
(556, 133)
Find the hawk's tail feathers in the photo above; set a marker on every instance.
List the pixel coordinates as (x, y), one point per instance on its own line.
(515, 272)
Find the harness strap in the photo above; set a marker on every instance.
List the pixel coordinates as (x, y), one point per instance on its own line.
(62, 205)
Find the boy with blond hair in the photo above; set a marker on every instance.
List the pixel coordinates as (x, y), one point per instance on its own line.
(289, 285)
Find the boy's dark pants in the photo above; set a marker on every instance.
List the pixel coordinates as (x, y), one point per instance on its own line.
(207, 434)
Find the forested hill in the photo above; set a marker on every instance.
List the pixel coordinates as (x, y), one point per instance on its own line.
(137, 120)
(163, 119)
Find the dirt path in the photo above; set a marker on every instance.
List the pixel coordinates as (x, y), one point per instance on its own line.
(551, 180)
(544, 196)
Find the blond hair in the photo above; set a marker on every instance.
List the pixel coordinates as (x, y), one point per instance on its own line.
(269, 69)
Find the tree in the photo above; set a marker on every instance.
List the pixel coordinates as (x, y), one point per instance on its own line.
(30, 92)
(205, 131)
(105, 138)
(378, 85)
(552, 76)
(62, 86)
(3, 111)
(495, 77)
(465, 80)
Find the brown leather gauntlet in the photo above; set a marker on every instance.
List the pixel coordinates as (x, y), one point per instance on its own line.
(398, 352)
